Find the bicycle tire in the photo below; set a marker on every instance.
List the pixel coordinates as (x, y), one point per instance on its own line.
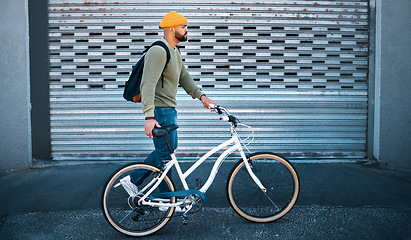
(279, 178)
(122, 211)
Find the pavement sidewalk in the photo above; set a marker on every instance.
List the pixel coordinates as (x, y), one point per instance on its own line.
(336, 201)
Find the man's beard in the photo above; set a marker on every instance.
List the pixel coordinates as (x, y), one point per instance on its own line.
(181, 38)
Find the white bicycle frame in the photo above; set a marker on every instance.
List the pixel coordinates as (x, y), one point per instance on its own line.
(235, 141)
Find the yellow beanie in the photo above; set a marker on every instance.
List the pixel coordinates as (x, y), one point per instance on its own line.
(173, 19)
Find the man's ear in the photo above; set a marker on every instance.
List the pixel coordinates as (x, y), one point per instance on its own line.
(167, 29)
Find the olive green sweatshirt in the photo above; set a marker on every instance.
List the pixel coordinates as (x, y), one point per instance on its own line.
(153, 92)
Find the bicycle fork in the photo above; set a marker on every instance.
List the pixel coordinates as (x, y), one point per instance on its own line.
(256, 180)
(249, 168)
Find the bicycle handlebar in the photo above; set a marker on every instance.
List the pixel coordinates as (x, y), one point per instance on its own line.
(228, 117)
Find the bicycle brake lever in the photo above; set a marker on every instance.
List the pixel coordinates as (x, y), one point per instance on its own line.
(216, 108)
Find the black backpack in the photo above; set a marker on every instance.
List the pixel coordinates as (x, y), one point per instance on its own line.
(132, 88)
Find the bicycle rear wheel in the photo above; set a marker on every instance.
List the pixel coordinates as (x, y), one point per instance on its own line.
(124, 213)
(278, 177)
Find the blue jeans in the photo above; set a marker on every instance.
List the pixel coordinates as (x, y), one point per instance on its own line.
(165, 116)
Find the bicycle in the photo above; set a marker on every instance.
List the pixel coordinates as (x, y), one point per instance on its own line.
(261, 187)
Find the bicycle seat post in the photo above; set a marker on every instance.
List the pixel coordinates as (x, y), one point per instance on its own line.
(168, 145)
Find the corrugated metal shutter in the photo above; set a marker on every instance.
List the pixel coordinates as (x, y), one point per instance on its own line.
(294, 70)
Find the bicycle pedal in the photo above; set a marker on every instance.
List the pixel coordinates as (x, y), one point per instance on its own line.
(184, 220)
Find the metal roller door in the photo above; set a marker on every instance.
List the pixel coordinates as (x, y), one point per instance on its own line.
(294, 70)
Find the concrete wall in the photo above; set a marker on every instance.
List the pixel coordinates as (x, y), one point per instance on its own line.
(15, 129)
(392, 139)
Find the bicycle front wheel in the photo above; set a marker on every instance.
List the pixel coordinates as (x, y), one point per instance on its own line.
(278, 177)
(123, 211)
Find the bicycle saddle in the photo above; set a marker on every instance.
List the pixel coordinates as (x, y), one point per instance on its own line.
(164, 131)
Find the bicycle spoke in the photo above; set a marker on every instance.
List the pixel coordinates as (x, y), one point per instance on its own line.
(271, 201)
(128, 214)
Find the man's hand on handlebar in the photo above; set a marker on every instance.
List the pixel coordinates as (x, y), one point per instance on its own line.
(207, 102)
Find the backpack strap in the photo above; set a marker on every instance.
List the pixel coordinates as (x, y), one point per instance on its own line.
(162, 44)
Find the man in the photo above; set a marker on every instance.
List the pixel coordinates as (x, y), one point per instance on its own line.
(159, 89)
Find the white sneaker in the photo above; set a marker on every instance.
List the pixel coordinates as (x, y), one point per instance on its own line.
(130, 187)
(177, 209)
